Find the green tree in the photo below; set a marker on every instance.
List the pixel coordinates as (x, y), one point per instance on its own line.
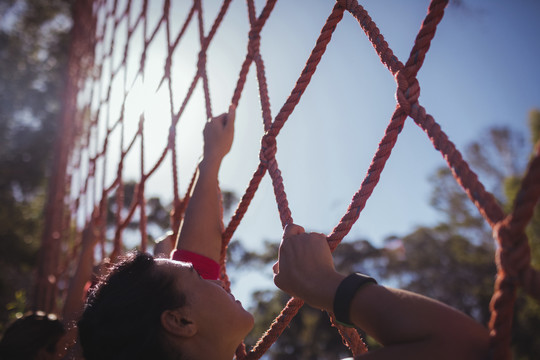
(447, 267)
(34, 37)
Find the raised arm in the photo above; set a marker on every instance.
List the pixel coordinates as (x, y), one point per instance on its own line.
(200, 230)
(408, 325)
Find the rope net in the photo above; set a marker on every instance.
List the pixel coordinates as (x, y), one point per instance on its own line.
(110, 60)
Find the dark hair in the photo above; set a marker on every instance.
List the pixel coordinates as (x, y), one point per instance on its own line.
(121, 319)
(26, 336)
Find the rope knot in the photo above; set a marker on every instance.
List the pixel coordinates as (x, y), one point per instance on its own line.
(347, 4)
(254, 43)
(268, 148)
(201, 62)
(513, 256)
(408, 90)
(254, 35)
(172, 136)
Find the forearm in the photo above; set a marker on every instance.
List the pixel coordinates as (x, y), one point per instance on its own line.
(412, 326)
(397, 317)
(200, 230)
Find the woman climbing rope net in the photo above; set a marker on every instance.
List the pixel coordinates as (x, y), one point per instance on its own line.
(149, 308)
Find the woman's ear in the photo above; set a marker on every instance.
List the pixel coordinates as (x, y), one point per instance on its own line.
(178, 322)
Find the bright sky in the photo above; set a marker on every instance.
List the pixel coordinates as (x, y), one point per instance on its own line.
(481, 71)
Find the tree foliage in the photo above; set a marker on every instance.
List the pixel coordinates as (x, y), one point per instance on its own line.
(34, 38)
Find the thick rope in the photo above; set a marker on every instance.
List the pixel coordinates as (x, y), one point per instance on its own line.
(267, 156)
(407, 93)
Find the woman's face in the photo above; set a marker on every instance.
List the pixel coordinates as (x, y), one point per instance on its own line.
(215, 310)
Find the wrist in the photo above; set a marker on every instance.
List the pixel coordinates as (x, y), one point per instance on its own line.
(345, 294)
(209, 164)
(323, 291)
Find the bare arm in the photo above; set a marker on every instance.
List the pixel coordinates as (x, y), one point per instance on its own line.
(408, 325)
(200, 230)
